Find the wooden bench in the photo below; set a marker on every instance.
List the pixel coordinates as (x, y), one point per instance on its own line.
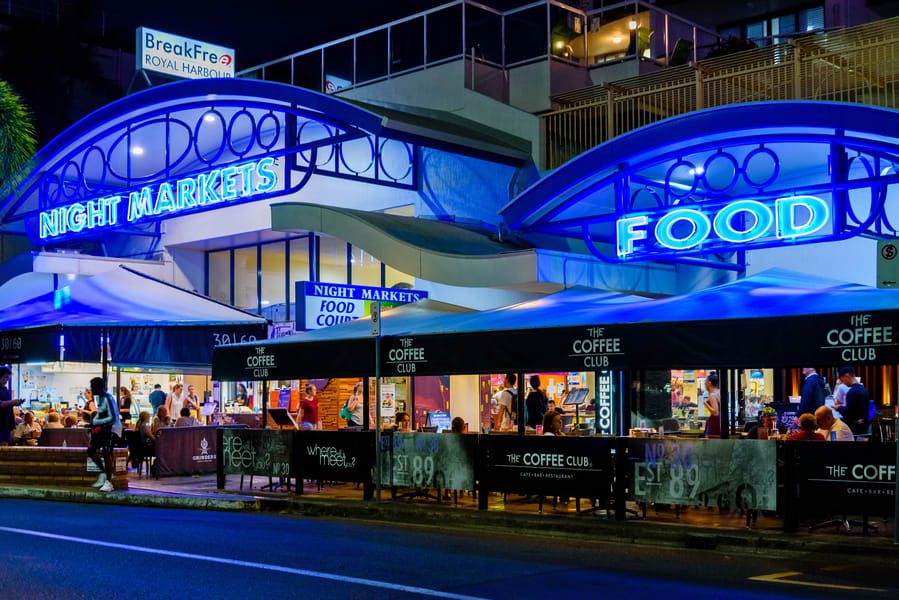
(24, 465)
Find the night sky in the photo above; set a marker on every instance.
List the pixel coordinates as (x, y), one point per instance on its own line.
(260, 30)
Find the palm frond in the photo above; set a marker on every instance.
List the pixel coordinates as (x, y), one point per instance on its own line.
(18, 139)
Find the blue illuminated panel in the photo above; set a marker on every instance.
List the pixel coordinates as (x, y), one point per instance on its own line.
(162, 200)
(738, 225)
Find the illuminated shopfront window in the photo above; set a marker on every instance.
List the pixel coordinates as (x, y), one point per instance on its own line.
(394, 278)
(245, 278)
(332, 259)
(219, 276)
(274, 281)
(366, 269)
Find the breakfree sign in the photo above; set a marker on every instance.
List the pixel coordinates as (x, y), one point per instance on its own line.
(160, 200)
(182, 57)
(688, 229)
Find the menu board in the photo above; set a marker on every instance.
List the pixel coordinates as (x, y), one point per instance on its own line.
(845, 478)
(428, 460)
(335, 456)
(264, 452)
(735, 473)
(549, 465)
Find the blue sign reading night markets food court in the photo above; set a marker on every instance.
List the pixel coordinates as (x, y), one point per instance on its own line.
(160, 200)
(326, 304)
(688, 229)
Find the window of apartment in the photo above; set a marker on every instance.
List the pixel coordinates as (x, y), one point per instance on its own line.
(777, 28)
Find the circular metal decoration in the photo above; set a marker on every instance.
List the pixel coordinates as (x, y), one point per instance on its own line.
(861, 196)
(383, 167)
(202, 128)
(99, 164)
(260, 129)
(712, 169)
(353, 144)
(233, 123)
(305, 154)
(71, 178)
(691, 171)
(755, 156)
(648, 193)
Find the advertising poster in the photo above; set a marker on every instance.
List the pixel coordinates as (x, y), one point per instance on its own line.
(429, 460)
(549, 465)
(845, 478)
(388, 400)
(727, 473)
(335, 456)
(264, 452)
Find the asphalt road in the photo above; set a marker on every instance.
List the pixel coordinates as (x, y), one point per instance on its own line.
(50, 550)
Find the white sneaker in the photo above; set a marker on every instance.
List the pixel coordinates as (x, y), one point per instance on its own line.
(107, 487)
(101, 480)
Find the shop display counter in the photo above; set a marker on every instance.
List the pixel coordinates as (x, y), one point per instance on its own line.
(30, 465)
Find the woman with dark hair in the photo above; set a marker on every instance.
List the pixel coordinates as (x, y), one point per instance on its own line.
(535, 403)
(713, 406)
(552, 424)
(125, 405)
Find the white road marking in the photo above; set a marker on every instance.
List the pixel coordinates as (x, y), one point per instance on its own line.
(385, 585)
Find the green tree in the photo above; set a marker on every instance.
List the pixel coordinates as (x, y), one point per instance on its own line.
(18, 141)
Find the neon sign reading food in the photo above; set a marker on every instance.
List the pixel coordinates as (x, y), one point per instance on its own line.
(685, 229)
(161, 200)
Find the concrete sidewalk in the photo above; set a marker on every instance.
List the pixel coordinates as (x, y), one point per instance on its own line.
(200, 493)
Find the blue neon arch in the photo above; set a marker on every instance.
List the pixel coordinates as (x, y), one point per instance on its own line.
(706, 161)
(189, 127)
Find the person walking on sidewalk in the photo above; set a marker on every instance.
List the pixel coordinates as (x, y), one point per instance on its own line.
(7, 416)
(106, 428)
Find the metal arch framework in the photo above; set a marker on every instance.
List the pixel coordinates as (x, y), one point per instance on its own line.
(187, 128)
(704, 162)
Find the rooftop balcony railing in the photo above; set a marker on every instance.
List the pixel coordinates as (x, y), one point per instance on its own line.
(856, 64)
(494, 43)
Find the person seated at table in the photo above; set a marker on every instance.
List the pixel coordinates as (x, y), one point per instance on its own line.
(458, 425)
(186, 419)
(833, 429)
(552, 423)
(70, 422)
(53, 421)
(144, 430)
(17, 415)
(403, 422)
(768, 423)
(551, 407)
(27, 431)
(161, 420)
(807, 427)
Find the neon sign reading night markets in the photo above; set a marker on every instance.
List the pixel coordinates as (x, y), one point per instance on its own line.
(161, 200)
(686, 230)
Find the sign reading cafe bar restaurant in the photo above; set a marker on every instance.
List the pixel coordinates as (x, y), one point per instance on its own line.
(166, 199)
(326, 304)
(182, 57)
